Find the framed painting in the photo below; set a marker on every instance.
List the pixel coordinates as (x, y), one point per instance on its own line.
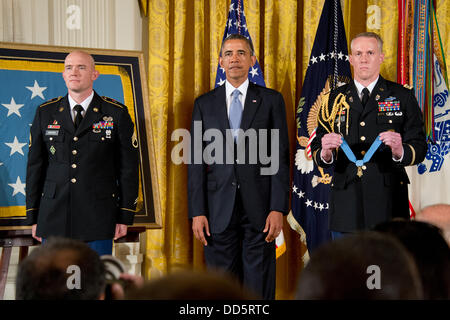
(31, 75)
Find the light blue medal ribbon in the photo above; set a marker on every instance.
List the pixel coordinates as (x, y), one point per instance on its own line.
(351, 156)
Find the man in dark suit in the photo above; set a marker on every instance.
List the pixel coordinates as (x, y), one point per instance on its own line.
(366, 193)
(237, 204)
(82, 172)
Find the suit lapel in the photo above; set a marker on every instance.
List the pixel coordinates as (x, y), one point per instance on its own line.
(220, 105)
(62, 115)
(353, 98)
(93, 114)
(378, 93)
(252, 102)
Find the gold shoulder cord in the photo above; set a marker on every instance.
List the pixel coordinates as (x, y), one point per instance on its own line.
(327, 118)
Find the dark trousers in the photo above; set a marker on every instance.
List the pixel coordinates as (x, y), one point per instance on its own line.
(242, 251)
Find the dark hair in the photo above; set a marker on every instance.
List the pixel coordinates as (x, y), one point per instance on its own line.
(237, 36)
(429, 249)
(346, 268)
(192, 285)
(44, 274)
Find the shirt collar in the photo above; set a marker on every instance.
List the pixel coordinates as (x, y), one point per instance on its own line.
(242, 88)
(360, 87)
(85, 104)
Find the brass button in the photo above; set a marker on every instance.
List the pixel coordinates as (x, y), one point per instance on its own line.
(103, 138)
(363, 138)
(401, 182)
(364, 167)
(73, 180)
(390, 121)
(74, 165)
(363, 152)
(362, 123)
(74, 152)
(51, 139)
(75, 138)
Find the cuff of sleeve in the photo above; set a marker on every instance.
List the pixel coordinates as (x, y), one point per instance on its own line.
(401, 158)
(32, 215)
(126, 216)
(409, 155)
(330, 162)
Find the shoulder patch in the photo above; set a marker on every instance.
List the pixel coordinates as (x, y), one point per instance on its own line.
(51, 101)
(114, 102)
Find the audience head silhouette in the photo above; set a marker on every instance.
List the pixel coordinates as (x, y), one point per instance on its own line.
(61, 269)
(367, 266)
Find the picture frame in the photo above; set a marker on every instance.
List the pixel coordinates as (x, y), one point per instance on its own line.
(126, 68)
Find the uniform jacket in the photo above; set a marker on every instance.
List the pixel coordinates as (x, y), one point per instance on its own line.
(212, 187)
(81, 183)
(381, 193)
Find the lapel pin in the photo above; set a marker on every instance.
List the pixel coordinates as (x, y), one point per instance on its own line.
(377, 97)
(381, 89)
(95, 109)
(254, 101)
(61, 109)
(350, 99)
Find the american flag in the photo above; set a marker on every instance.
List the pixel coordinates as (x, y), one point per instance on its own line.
(25, 84)
(236, 24)
(328, 65)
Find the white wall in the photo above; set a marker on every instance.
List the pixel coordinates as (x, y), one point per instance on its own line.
(104, 24)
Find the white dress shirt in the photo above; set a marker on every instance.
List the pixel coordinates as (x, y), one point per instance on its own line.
(84, 104)
(229, 90)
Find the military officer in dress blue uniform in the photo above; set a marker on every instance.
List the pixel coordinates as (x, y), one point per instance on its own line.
(373, 189)
(82, 171)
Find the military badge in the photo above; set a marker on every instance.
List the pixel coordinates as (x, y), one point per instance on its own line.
(108, 125)
(52, 150)
(389, 106)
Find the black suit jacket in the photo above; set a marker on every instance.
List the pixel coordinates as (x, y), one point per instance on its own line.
(80, 183)
(381, 193)
(213, 183)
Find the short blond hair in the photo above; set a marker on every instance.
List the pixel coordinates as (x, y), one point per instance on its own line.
(369, 35)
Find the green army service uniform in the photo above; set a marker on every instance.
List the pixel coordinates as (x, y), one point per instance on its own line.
(82, 182)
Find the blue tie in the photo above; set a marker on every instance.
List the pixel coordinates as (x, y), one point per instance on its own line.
(235, 112)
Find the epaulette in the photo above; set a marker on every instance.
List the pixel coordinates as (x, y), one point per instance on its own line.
(51, 101)
(407, 86)
(114, 102)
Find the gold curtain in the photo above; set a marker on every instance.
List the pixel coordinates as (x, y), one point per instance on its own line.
(184, 37)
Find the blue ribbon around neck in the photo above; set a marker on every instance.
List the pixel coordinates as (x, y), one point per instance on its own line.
(351, 156)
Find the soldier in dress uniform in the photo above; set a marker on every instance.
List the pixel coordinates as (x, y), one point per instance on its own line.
(373, 189)
(82, 172)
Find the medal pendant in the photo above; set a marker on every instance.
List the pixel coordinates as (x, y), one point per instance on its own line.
(360, 172)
